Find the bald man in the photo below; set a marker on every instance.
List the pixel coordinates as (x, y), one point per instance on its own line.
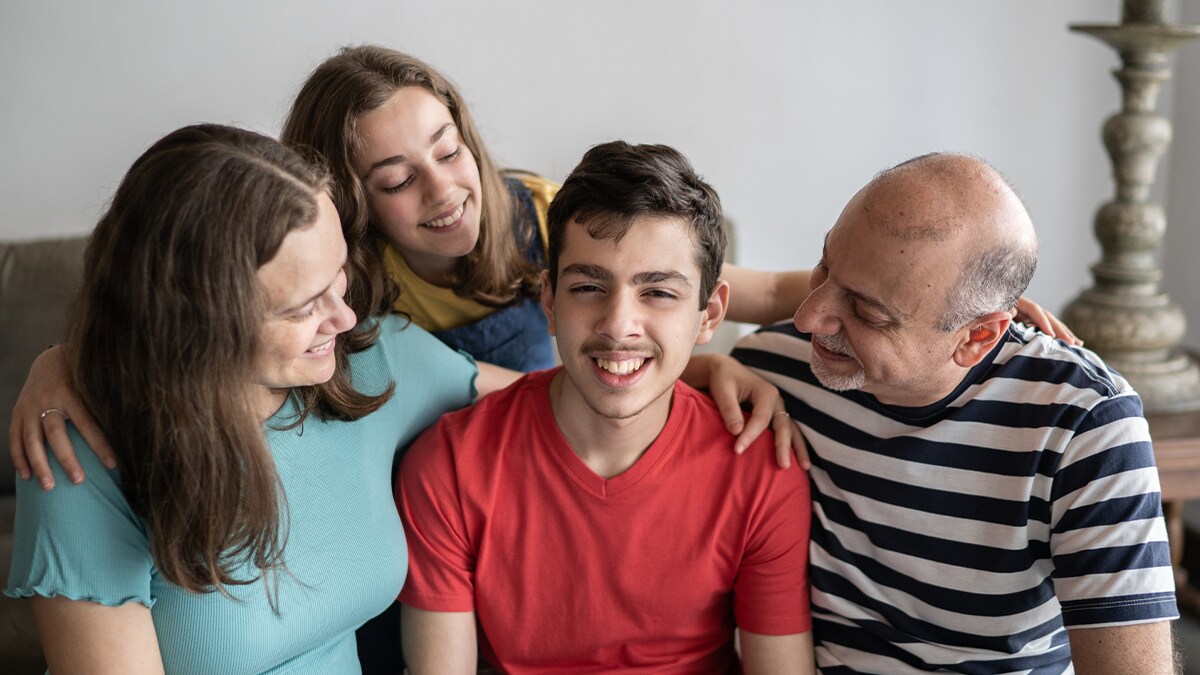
(985, 497)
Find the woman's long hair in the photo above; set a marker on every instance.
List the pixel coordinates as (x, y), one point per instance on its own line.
(163, 341)
(324, 117)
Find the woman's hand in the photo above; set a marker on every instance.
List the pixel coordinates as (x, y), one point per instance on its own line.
(1030, 312)
(731, 384)
(45, 404)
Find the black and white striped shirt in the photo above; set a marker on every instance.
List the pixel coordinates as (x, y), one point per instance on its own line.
(968, 535)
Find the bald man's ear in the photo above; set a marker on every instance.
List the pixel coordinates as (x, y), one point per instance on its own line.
(982, 334)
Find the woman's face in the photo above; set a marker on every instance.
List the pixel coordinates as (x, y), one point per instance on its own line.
(421, 181)
(303, 285)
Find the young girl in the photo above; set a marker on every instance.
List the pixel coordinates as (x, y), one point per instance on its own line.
(449, 241)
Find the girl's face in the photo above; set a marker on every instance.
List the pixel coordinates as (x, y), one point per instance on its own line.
(421, 181)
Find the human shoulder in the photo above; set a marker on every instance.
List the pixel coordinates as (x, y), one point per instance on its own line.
(408, 355)
(480, 431)
(518, 405)
(1078, 410)
(82, 541)
(1075, 375)
(397, 334)
(102, 485)
(701, 429)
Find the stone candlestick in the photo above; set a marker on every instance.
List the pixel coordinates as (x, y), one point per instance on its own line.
(1125, 316)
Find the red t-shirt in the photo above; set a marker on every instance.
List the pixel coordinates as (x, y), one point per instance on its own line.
(568, 571)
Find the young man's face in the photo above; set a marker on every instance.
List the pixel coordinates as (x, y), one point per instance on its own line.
(627, 315)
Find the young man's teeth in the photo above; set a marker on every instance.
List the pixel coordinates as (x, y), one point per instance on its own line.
(442, 222)
(620, 367)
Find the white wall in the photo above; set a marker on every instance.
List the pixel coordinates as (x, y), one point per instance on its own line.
(1181, 251)
(786, 106)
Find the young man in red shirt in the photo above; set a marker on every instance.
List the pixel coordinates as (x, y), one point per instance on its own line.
(591, 517)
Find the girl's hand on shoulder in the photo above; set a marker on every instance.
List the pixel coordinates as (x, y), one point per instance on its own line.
(1030, 312)
(43, 407)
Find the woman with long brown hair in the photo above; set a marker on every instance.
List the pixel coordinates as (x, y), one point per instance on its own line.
(251, 522)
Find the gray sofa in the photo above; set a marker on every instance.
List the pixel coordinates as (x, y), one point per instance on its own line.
(38, 280)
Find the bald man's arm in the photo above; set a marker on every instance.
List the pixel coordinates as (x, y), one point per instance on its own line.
(1144, 649)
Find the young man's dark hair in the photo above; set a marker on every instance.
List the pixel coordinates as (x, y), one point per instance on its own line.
(617, 182)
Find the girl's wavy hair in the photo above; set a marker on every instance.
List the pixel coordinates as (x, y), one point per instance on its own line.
(165, 331)
(324, 117)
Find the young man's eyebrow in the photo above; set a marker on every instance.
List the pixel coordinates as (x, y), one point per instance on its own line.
(590, 271)
(660, 277)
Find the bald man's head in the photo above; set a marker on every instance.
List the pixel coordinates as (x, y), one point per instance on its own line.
(964, 207)
(916, 279)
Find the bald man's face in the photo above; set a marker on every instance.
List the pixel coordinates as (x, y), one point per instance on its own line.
(876, 303)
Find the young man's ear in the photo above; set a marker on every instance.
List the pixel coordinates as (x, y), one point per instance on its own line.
(713, 312)
(982, 334)
(548, 299)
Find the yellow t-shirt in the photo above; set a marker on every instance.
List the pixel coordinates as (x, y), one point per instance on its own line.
(436, 308)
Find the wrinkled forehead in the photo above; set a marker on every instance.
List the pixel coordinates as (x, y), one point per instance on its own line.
(913, 210)
(908, 268)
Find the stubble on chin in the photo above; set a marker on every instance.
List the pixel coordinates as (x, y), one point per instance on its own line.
(834, 380)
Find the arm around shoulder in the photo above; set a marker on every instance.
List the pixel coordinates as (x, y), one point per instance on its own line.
(764, 297)
(86, 637)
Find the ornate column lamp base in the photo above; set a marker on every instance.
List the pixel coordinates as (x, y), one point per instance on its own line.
(1124, 316)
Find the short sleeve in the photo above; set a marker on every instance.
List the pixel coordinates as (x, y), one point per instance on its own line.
(441, 563)
(82, 542)
(1112, 563)
(771, 590)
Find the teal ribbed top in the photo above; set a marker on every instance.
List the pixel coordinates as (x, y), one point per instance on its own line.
(345, 551)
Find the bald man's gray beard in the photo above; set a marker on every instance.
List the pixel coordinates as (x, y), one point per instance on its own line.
(831, 380)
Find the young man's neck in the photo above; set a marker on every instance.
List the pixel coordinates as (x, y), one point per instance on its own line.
(609, 447)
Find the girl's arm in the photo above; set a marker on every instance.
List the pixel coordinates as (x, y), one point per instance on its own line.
(1030, 312)
(89, 638)
(40, 414)
(48, 387)
(768, 297)
(494, 378)
(764, 297)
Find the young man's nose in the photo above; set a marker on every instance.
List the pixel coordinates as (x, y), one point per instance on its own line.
(621, 318)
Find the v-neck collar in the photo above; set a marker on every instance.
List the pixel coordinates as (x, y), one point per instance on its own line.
(579, 471)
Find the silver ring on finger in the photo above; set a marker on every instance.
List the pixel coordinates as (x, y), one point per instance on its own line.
(47, 411)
